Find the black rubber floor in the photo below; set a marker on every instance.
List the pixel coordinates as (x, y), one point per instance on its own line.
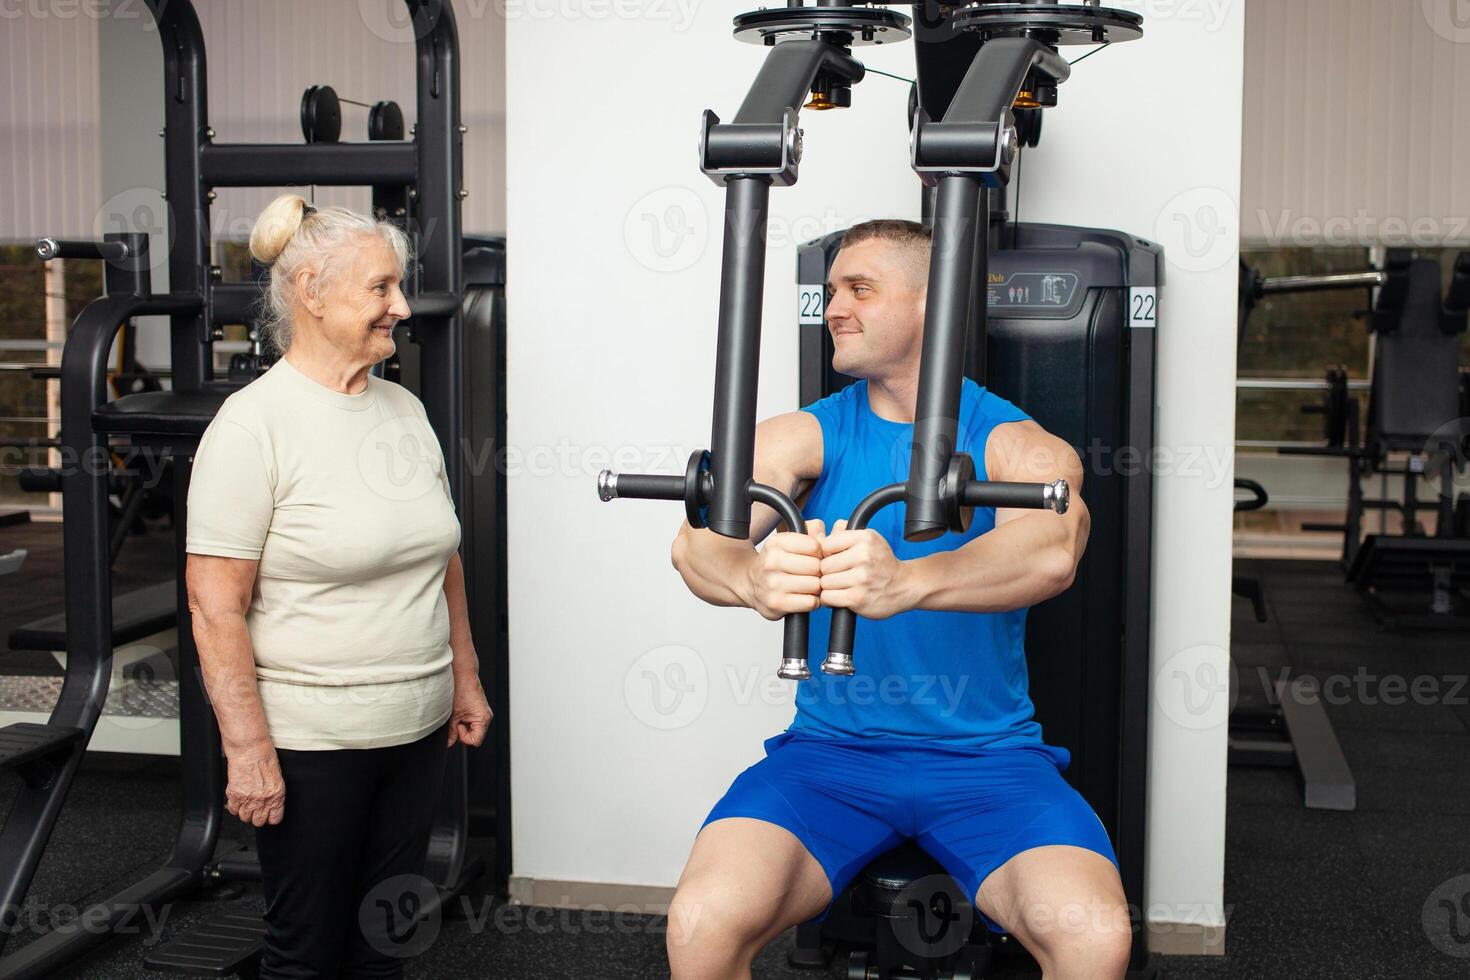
(1310, 894)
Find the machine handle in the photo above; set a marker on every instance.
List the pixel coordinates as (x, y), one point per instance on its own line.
(68, 248)
(975, 493)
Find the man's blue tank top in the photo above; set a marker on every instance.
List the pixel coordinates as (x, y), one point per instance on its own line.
(948, 677)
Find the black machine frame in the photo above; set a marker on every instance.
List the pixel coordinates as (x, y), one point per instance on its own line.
(424, 174)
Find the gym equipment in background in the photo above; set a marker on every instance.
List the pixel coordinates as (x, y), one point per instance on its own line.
(169, 424)
(1416, 428)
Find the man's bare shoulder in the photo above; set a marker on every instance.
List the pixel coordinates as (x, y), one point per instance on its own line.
(791, 443)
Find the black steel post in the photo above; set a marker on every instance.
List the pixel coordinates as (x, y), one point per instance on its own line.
(186, 131)
(953, 265)
(737, 358)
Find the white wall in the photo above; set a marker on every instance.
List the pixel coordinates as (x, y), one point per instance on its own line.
(627, 722)
(1358, 118)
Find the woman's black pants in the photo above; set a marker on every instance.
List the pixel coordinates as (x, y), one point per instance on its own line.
(343, 871)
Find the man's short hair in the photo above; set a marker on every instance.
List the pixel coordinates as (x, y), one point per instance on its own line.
(908, 237)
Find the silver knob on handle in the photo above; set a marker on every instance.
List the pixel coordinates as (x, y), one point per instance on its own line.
(1057, 496)
(607, 485)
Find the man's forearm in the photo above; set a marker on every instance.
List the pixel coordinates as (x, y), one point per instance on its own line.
(716, 571)
(1016, 565)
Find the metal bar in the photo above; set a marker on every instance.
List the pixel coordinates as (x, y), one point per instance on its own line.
(1296, 384)
(186, 123)
(233, 302)
(325, 164)
(787, 75)
(1135, 680)
(796, 626)
(66, 248)
(737, 357)
(953, 264)
(1320, 283)
(9, 344)
(437, 165)
(1293, 445)
(842, 631)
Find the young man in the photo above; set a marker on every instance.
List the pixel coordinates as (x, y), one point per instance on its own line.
(933, 738)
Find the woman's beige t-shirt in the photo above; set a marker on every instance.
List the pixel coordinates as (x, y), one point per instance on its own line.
(344, 502)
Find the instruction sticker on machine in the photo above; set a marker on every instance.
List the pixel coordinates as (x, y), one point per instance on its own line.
(1036, 290)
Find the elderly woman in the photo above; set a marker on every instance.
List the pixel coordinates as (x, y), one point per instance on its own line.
(328, 599)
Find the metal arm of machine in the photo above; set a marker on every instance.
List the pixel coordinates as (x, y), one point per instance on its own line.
(761, 147)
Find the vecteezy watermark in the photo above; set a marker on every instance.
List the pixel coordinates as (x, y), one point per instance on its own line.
(1199, 229)
(541, 920)
(1450, 19)
(667, 230)
(73, 9)
(569, 459)
(667, 687)
(391, 21)
(934, 917)
(399, 459)
(1195, 688)
(1209, 14)
(1286, 227)
(36, 917)
(400, 916)
(1450, 442)
(1364, 686)
(1446, 917)
(147, 466)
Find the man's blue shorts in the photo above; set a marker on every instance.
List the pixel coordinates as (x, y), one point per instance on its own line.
(849, 800)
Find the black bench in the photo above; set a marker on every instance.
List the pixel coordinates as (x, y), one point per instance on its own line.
(135, 615)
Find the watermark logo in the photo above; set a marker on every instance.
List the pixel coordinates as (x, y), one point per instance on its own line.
(1196, 687)
(397, 22)
(667, 688)
(399, 459)
(1450, 19)
(138, 209)
(667, 230)
(1199, 229)
(1446, 917)
(1450, 440)
(934, 917)
(400, 916)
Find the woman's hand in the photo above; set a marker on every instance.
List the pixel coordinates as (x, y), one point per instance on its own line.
(471, 714)
(256, 791)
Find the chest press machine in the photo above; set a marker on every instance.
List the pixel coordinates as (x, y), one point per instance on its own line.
(985, 71)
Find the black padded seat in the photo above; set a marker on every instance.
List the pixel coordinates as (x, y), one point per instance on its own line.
(167, 413)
